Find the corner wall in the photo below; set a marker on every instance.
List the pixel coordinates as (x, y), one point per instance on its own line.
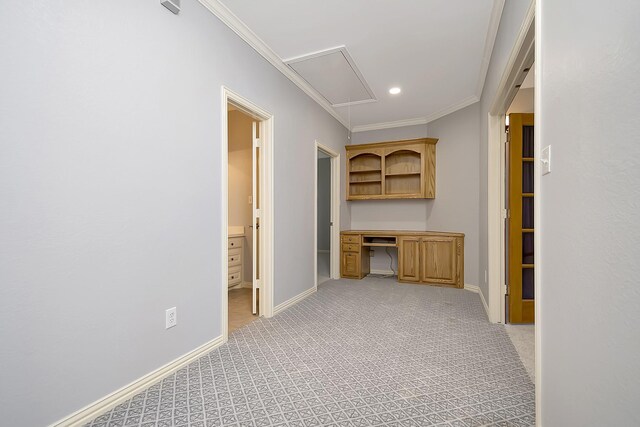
(455, 207)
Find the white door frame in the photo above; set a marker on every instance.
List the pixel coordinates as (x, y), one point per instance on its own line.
(266, 198)
(524, 52)
(334, 246)
(522, 56)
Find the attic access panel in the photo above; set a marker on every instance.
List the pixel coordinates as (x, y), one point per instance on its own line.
(334, 75)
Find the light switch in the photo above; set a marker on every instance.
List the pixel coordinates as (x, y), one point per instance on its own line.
(545, 158)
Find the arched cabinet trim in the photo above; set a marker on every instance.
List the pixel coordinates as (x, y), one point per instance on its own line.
(392, 170)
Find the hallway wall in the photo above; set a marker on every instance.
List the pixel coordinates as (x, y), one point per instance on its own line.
(110, 172)
(589, 295)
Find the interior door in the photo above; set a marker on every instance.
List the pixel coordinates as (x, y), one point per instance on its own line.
(256, 217)
(520, 261)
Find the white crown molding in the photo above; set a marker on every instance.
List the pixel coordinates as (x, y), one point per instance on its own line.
(452, 108)
(420, 120)
(389, 125)
(241, 29)
(490, 40)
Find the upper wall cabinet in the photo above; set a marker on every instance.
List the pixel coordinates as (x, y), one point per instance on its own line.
(392, 170)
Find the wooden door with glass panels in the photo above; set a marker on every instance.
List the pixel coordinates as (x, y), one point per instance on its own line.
(520, 231)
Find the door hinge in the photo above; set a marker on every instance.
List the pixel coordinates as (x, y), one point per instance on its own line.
(257, 142)
(506, 213)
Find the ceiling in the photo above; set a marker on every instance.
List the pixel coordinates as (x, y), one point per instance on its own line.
(437, 51)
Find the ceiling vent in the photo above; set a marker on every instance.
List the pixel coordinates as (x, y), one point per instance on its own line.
(334, 75)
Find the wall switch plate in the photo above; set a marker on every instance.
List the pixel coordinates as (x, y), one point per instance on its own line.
(545, 159)
(171, 317)
(172, 5)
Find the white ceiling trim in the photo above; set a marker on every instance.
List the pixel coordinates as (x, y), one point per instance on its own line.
(419, 120)
(240, 28)
(389, 125)
(492, 33)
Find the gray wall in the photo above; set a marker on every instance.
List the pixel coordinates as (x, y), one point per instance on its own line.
(589, 294)
(455, 207)
(324, 203)
(511, 21)
(110, 188)
(240, 173)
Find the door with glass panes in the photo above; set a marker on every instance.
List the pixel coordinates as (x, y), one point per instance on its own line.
(520, 229)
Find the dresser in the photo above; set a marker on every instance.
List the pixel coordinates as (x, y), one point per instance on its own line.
(235, 260)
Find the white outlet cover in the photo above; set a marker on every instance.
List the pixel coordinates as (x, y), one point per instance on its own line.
(171, 317)
(545, 159)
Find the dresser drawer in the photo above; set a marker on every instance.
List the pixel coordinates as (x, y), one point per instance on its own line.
(351, 239)
(235, 275)
(235, 242)
(235, 258)
(350, 247)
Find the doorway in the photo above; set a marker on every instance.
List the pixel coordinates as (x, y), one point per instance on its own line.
(247, 212)
(243, 225)
(327, 215)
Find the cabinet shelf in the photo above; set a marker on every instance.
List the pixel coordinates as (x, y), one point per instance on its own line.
(366, 170)
(365, 181)
(402, 174)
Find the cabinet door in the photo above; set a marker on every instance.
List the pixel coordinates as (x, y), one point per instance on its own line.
(409, 259)
(350, 264)
(439, 261)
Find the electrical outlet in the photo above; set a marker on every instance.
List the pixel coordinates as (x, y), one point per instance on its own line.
(171, 317)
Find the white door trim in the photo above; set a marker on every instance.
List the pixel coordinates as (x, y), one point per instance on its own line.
(521, 57)
(334, 247)
(266, 197)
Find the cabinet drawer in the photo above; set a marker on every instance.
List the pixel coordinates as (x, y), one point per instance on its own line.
(233, 280)
(351, 239)
(235, 242)
(350, 247)
(235, 258)
(234, 274)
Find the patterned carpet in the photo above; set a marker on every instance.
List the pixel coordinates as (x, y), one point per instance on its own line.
(356, 353)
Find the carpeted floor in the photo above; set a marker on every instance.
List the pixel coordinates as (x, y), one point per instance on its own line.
(356, 353)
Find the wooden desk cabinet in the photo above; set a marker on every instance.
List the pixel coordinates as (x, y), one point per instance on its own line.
(424, 257)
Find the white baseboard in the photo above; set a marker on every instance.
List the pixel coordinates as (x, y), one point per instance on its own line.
(106, 403)
(294, 300)
(247, 285)
(382, 272)
(476, 289)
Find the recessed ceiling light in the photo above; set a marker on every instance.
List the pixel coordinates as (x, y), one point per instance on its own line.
(395, 90)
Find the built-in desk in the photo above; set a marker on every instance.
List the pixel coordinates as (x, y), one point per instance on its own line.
(424, 257)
